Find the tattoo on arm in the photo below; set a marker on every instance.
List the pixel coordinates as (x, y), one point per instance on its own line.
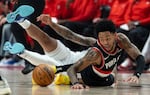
(129, 47)
(90, 58)
(74, 37)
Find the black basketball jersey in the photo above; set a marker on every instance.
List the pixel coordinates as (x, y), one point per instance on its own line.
(109, 59)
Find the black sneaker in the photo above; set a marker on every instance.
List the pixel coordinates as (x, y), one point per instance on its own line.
(4, 87)
(28, 68)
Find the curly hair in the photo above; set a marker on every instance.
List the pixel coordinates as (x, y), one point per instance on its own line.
(105, 25)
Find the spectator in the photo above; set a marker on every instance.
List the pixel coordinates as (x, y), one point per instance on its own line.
(75, 17)
(107, 2)
(117, 12)
(137, 19)
(5, 8)
(81, 18)
(56, 9)
(137, 24)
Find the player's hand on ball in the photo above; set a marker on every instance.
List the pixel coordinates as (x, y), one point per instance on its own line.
(79, 86)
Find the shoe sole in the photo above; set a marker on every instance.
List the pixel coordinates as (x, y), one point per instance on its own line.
(23, 11)
(17, 48)
(13, 49)
(7, 46)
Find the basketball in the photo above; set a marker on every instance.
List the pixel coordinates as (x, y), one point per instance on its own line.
(43, 75)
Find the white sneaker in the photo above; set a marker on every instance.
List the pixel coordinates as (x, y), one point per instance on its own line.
(4, 87)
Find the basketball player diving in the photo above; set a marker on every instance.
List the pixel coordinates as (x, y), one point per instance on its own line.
(97, 64)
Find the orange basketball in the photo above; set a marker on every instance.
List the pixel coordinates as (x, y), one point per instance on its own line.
(43, 75)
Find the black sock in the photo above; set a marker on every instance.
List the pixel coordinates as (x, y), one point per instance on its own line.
(62, 68)
(0, 78)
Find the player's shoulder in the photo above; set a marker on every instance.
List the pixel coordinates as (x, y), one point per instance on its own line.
(122, 37)
(123, 40)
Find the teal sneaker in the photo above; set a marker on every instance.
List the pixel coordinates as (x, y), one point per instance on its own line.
(7, 46)
(20, 14)
(16, 48)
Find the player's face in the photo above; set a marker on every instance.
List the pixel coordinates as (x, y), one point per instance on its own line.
(107, 39)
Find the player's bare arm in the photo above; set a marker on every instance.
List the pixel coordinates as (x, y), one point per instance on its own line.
(92, 57)
(135, 54)
(67, 33)
(130, 48)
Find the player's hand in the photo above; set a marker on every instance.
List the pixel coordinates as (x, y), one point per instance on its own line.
(44, 18)
(131, 25)
(133, 80)
(79, 86)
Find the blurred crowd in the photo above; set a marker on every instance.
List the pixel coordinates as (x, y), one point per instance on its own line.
(131, 17)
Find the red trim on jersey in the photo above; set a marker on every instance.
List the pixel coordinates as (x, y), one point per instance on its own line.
(102, 57)
(102, 61)
(101, 71)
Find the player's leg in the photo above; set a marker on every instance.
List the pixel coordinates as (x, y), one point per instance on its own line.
(47, 43)
(4, 87)
(33, 57)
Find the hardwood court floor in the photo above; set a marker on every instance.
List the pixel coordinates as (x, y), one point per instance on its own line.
(21, 85)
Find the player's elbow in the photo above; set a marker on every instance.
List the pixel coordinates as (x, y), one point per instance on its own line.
(68, 71)
(71, 70)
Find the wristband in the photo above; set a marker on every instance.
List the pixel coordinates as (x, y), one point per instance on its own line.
(140, 65)
(137, 75)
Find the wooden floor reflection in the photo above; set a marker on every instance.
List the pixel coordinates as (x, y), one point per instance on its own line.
(21, 85)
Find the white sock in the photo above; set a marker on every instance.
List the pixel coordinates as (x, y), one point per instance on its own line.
(25, 24)
(36, 58)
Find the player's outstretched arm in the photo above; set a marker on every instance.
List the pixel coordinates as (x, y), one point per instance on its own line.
(135, 54)
(92, 57)
(129, 48)
(66, 33)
